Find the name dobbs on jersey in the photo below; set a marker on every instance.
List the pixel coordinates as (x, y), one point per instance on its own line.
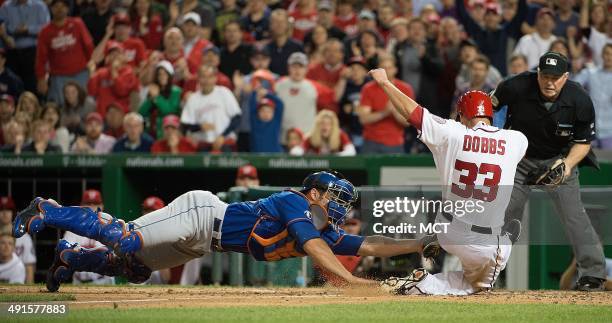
(484, 145)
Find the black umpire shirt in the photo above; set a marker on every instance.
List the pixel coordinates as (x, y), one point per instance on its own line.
(550, 127)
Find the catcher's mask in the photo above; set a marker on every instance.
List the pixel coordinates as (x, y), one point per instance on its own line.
(340, 193)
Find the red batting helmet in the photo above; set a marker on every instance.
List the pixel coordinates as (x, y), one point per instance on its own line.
(474, 104)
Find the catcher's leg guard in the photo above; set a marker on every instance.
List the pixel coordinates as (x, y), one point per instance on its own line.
(82, 221)
(70, 258)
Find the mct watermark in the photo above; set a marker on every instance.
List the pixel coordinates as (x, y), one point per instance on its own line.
(415, 215)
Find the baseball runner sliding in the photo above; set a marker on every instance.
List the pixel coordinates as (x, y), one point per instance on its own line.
(477, 162)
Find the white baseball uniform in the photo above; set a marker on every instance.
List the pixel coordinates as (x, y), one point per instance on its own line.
(24, 248)
(476, 166)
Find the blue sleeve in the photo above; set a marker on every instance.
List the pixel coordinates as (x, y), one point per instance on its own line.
(302, 231)
(252, 106)
(514, 26)
(341, 243)
(293, 212)
(471, 27)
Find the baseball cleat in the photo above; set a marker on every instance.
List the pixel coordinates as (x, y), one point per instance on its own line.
(60, 271)
(513, 230)
(590, 284)
(430, 246)
(403, 286)
(29, 220)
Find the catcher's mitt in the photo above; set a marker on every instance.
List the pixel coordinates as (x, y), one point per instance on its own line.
(540, 174)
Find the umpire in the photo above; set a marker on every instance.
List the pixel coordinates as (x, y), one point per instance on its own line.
(557, 117)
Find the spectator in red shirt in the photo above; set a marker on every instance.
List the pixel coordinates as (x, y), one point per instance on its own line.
(346, 19)
(329, 70)
(63, 51)
(193, 45)
(304, 18)
(327, 138)
(115, 82)
(383, 127)
(133, 48)
(173, 141)
(147, 24)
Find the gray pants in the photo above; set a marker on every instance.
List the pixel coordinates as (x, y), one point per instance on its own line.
(566, 199)
(180, 231)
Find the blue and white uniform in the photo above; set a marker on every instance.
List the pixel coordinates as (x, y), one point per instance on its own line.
(269, 229)
(192, 225)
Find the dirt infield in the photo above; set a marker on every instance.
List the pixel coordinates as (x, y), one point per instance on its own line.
(204, 296)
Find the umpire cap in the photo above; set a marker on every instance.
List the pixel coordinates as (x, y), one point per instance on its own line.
(553, 63)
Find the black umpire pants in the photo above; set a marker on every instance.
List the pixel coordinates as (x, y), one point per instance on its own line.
(21, 61)
(577, 225)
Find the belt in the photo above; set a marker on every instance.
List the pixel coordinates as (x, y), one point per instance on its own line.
(473, 227)
(215, 243)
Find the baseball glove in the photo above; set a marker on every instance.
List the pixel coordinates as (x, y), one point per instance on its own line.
(542, 174)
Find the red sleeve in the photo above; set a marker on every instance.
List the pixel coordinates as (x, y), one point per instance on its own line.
(416, 117)
(42, 53)
(125, 82)
(312, 72)
(344, 139)
(325, 97)
(223, 80)
(88, 45)
(93, 83)
(190, 85)
(186, 146)
(158, 147)
(307, 147)
(140, 51)
(366, 97)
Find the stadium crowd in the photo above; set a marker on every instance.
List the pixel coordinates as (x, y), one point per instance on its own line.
(169, 76)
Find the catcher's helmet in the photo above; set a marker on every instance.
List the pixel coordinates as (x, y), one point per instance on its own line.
(474, 104)
(342, 193)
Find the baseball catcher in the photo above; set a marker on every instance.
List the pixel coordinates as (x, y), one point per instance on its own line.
(283, 225)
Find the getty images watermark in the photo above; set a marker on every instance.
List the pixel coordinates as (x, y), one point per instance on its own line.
(411, 207)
